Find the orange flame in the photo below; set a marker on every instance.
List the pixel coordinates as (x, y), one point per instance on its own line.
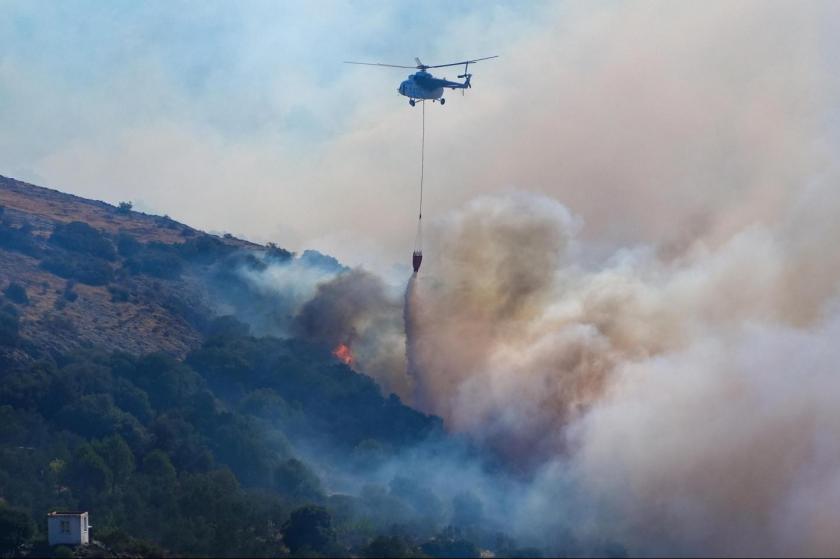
(343, 353)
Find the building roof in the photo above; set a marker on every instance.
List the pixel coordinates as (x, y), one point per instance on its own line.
(66, 513)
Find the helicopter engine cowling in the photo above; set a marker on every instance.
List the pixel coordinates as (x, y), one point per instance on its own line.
(411, 89)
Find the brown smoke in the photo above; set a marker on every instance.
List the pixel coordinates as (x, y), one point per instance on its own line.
(692, 398)
(674, 362)
(354, 309)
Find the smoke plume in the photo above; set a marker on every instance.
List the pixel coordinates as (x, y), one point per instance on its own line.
(689, 401)
(659, 361)
(648, 338)
(355, 309)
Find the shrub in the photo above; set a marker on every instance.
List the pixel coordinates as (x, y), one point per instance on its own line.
(124, 207)
(167, 222)
(188, 309)
(84, 268)
(16, 293)
(277, 254)
(118, 294)
(156, 262)
(18, 239)
(68, 293)
(59, 325)
(127, 245)
(81, 237)
(205, 248)
(9, 327)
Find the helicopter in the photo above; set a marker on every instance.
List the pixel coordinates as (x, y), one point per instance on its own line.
(422, 85)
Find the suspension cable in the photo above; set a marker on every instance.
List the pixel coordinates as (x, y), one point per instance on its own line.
(422, 156)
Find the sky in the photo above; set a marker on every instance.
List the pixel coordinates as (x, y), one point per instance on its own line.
(241, 118)
(225, 114)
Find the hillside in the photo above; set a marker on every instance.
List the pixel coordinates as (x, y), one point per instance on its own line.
(147, 378)
(129, 297)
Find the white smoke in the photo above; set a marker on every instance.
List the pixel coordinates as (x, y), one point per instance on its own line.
(690, 401)
(728, 446)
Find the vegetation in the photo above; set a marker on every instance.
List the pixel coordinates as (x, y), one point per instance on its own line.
(16, 293)
(156, 260)
(18, 239)
(69, 294)
(9, 326)
(162, 452)
(81, 267)
(80, 237)
(233, 450)
(309, 529)
(15, 528)
(390, 546)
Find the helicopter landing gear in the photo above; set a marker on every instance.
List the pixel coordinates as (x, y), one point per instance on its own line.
(442, 100)
(411, 102)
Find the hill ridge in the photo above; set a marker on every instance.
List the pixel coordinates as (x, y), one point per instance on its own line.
(127, 298)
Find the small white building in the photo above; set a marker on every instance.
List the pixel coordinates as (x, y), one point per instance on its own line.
(68, 528)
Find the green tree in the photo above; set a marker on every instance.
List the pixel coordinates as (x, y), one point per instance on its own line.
(165, 380)
(94, 415)
(389, 546)
(157, 465)
(88, 472)
(295, 479)
(161, 478)
(309, 527)
(119, 458)
(15, 528)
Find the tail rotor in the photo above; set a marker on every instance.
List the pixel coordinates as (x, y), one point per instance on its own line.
(467, 75)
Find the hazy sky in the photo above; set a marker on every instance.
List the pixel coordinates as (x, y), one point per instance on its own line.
(240, 116)
(224, 114)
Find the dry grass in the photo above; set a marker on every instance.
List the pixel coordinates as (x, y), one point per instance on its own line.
(140, 325)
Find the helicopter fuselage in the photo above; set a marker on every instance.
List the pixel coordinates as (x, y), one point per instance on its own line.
(423, 85)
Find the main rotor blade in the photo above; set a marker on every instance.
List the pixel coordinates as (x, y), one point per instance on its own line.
(378, 64)
(464, 62)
